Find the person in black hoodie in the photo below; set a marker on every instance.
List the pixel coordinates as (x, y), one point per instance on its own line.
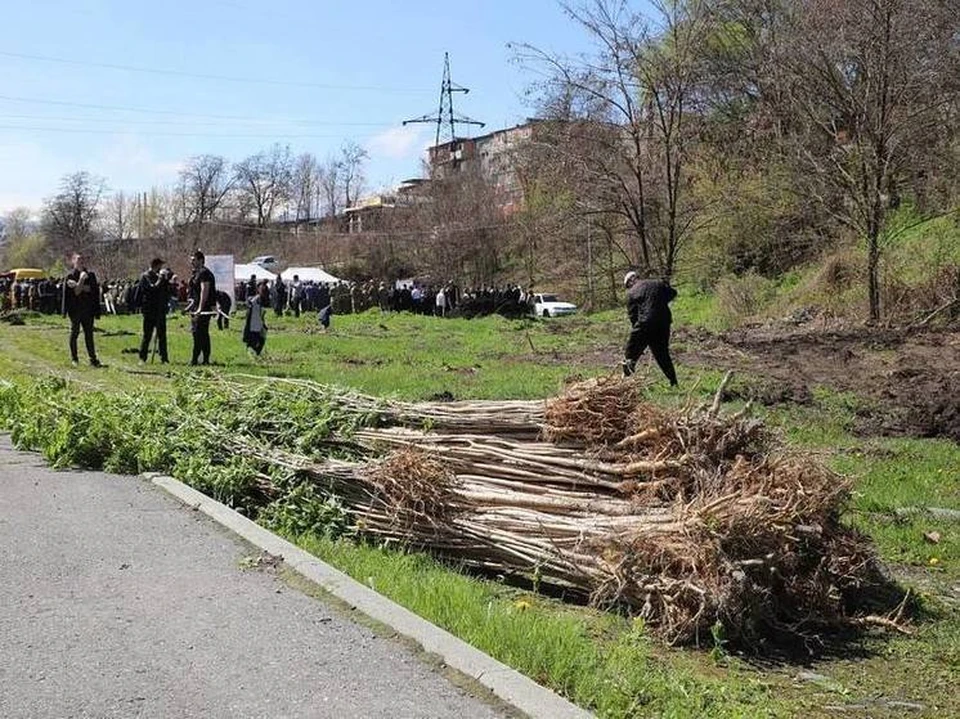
(154, 294)
(81, 303)
(202, 306)
(648, 306)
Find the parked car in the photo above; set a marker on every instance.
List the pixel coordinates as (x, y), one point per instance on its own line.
(546, 305)
(267, 262)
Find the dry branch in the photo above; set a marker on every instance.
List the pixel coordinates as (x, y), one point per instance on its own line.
(686, 517)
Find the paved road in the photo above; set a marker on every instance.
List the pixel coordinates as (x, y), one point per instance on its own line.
(118, 601)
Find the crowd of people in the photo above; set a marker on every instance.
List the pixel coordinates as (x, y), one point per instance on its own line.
(422, 298)
(40, 295)
(158, 292)
(45, 295)
(294, 297)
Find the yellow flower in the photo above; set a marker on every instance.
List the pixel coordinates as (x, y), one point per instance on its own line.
(934, 561)
(522, 605)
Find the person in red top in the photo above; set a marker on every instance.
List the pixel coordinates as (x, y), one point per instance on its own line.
(648, 306)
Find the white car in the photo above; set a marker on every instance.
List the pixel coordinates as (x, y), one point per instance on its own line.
(545, 305)
(267, 262)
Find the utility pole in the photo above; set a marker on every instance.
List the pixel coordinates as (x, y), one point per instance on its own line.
(446, 119)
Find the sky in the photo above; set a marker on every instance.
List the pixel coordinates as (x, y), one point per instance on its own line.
(129, 90)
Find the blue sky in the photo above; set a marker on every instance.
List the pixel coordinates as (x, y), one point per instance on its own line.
(232, 77)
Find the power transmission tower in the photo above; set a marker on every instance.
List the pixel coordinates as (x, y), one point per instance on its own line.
(445, 116)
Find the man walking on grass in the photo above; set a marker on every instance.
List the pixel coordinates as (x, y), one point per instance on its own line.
(648, 306)
(81, 303)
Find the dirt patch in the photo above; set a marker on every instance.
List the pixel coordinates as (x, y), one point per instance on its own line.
(909, 381)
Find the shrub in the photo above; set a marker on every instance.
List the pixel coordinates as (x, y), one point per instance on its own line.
(740, 298)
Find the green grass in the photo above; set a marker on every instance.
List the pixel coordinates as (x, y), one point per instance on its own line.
(888, 473)
(900, 473)
(401, 355)
(601, 660)
(698, 309)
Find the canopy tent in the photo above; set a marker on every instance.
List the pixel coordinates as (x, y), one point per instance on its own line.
(243, 272)
(309, 274)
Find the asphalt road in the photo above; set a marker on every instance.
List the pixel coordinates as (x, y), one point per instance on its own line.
(116, 600)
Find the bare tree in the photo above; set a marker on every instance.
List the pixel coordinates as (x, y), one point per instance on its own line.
(328, 178)
(352, 177)
(265, 180)
(458, 230)
(625, 119)
(341, 178)
(69, 218)
(120, 217)
(204, 183)
(305, 186)
(159, 208)
(871, 84)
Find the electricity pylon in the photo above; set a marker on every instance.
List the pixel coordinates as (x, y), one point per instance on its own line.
(446, 118)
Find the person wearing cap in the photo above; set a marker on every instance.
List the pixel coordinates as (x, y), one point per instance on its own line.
(154, 292)
(81, 303)
(648, 307)
(202, 306)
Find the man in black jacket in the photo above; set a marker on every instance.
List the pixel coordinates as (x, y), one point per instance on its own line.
(81, 303)
(154, 293)
(202, 306)
(648, 306)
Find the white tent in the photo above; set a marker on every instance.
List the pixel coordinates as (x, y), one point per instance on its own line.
(309, 274)
(243, 272)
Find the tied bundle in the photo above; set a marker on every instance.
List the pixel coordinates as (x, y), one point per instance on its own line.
(688, 517)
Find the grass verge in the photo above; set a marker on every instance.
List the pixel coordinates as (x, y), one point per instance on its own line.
(605, 662)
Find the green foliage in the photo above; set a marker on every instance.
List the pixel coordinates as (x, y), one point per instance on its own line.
(30, 250)
(304, 510)
(740, 298)
(756, 221)
(132, 433)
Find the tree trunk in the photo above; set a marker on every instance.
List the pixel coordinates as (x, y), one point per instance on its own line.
(873, 272)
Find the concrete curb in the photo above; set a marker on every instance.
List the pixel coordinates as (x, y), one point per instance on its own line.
(508, 684)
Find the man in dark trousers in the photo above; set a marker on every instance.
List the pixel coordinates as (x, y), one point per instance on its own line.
(648, 306)
(224, 304)
(154, 301)
(81, 303)
(202, 306)
(279, 296)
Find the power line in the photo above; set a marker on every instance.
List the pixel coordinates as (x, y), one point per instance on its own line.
(85, 131)
(190, 123)
(119, 108)
(204, 76)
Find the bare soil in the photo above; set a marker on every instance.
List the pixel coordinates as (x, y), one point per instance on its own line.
(906, 382)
